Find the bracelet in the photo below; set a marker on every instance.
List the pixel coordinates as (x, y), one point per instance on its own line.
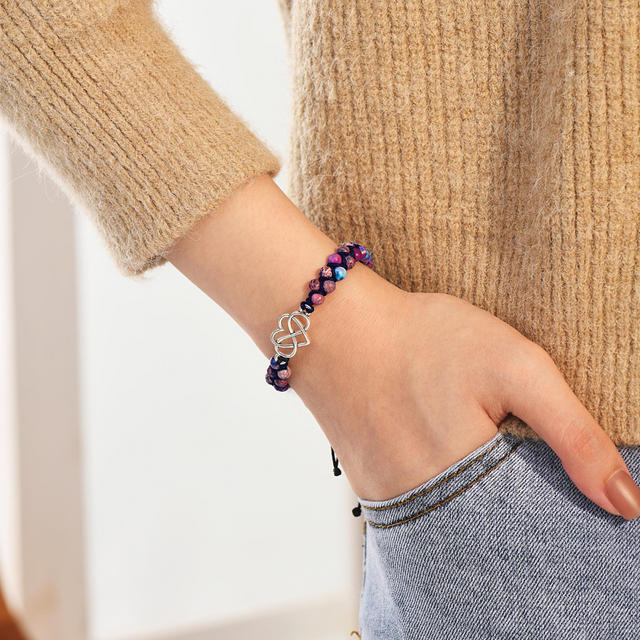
(338, 263)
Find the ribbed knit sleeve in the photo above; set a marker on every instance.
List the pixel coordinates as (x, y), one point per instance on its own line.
(105, 100)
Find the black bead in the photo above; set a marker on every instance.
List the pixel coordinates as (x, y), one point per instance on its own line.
(305, 306)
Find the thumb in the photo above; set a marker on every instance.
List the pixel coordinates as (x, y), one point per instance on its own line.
(543, 399)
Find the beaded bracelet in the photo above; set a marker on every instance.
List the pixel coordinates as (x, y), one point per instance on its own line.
(345, 257)
(338, 263)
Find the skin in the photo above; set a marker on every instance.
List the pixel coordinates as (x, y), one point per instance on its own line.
(402, 384)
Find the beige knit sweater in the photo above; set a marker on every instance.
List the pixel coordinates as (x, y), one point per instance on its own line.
(489, 149)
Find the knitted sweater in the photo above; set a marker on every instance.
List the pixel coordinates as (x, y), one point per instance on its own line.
(488, 149)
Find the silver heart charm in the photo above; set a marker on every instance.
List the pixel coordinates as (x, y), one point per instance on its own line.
(292, 335)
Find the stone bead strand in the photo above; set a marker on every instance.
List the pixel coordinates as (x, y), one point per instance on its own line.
(338, 263)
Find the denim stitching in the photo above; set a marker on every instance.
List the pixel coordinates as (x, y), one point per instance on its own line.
(417, 515)
(453, 475)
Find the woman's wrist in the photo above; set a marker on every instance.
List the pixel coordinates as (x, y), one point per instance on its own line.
(255, 255)
(250, 254)
(346, 320)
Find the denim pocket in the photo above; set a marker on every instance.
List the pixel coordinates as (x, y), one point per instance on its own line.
(444, 487)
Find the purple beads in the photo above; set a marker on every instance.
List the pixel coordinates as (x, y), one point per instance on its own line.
(278, 374)
(345, 257)
(326, 272)
(328, 286)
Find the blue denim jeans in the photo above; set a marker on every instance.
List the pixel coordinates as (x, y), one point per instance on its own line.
(501, 545)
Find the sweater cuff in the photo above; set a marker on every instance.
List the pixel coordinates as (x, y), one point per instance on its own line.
(125, 124)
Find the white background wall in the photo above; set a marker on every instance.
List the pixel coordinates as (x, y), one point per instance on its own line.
(208, 497)
(9, 533)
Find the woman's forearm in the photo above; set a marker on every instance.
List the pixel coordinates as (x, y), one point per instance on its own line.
(254, 256)
(403, 385)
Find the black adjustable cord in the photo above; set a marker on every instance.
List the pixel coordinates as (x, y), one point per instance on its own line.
(336, 469)
(356, 511)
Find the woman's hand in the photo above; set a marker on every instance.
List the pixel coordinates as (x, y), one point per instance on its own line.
(406, 384)
(403, 384)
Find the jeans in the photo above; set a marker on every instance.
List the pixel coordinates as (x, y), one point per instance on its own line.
(501, 545)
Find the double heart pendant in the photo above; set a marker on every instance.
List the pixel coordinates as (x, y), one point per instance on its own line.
(292, 336)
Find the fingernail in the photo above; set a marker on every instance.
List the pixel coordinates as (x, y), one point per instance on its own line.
(624, 494)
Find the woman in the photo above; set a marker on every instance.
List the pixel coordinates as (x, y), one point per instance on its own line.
(479, 384)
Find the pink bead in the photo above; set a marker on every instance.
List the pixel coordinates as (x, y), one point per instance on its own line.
(314, 285)
(334, 258)
(357, 254)
(317, 298)
(326, 272)
(283, 374)
(350, 262)
(329, 286)
(280, 383)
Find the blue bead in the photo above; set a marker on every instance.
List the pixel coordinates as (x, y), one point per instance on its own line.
(340, 272)
(274, 363)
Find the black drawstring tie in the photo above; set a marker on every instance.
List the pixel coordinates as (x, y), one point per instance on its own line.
(336, 469)
(357, 511)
